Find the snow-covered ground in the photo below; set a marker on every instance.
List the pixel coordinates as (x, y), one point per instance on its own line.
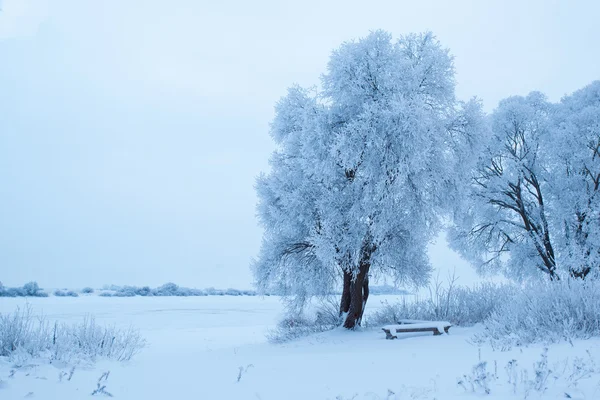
(215, 348)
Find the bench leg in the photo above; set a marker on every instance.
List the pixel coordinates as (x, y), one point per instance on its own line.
(389, 336)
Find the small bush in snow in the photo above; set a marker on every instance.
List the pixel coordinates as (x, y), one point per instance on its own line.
(144, 291)
(478, 381)
(31, 289)
(548, 311)
(20, 331)
(67, 293)
(324, 317)
(87, 290)
(126, 291)
(168, 289)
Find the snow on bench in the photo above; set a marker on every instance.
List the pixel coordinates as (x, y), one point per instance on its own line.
(409, 325)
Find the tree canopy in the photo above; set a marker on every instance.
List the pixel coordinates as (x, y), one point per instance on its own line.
(362, 169)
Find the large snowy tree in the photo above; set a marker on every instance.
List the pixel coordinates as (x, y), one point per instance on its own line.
(532, 201)
(361, 172)
(503, 223)
(574, 151)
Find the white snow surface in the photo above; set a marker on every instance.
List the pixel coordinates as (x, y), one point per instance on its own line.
(215, 348)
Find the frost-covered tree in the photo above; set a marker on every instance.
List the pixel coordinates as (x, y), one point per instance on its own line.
(532, 202)
(574, 149)
(362, 171)
(288, 211)
(504, 225)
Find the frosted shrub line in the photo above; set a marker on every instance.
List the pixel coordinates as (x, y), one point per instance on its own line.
(23, 335)
(171, 289)
(545, 312)
(459, 305)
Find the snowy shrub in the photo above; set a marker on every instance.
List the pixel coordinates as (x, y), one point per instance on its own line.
(66, 293)
(211, 291)
(144, 291)
(171, 289)
(89, 340)
(458, 305)
(294, 327)
(87, 290)
(168, 289)
(324, 317)
(130, 291)
(9, 292)
(20, 331)
(125, 292)
(23, 334)
(478, 381)
(548, 311)
(105, 294)
(190, 292)
(30, 289)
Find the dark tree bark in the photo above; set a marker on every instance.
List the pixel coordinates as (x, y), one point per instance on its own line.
(346, 295)
(365, 297)
(581, 237)
(358, 299)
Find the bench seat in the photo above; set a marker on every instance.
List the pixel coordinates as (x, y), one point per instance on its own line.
(407, 326)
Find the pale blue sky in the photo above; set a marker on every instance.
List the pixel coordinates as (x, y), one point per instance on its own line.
(131, 132)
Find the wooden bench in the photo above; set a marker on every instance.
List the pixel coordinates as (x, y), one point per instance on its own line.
(408, 325)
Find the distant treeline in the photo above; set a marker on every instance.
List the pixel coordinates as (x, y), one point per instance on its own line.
(32, 289)
(170, 289)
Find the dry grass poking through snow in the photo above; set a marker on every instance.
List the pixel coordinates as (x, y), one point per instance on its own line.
(461, 306)
(547, 312)
(23, 335)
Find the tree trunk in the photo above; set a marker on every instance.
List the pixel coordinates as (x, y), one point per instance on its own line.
(358, 298)
(581, 238)
(346, 296)
(365, 298)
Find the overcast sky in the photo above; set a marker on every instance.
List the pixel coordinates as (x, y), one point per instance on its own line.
(131, 132)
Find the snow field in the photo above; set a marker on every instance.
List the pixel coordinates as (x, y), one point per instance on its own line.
(215, 348)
